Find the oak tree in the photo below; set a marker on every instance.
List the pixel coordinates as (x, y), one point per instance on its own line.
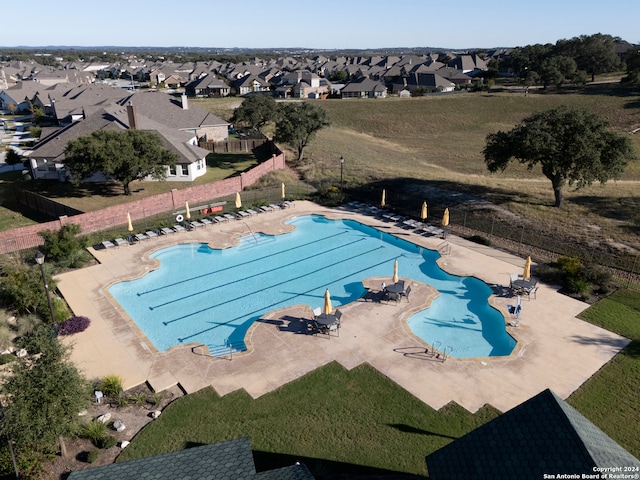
(572, 146)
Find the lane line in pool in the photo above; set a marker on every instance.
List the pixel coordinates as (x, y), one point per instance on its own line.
(240, 264)
(276, 304)
(270, 270)
(273, 286)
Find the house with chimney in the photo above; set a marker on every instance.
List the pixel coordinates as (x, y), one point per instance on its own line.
(178, 125)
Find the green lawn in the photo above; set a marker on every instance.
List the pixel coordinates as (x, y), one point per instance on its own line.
(331, 419)
(610, 397)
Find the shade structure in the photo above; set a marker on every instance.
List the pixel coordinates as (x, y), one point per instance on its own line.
(445, 218)
(395, 271)
(327, 303)
(238, 200)
(187, 213)
(423, 212)
(130, 225)
(282, 193)
(527, 269)
(383, 202)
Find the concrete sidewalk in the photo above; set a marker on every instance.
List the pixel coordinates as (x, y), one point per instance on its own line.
(555, 349)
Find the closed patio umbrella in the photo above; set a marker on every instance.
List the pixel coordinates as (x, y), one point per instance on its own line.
(395, 271)
(423, 213)
(187, 214)
(238, 200)
(130, 225)
(283, 195)
(327, 303)
(445, 218)
(384, 198)
(527, 269)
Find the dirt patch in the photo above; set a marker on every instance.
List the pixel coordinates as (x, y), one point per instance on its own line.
(134, 417)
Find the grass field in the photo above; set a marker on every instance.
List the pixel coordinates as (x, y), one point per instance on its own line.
(410, 145)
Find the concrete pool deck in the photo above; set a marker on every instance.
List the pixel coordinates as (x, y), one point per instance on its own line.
(555, 349)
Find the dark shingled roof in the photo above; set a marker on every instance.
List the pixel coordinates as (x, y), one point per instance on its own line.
(231, 460)
(542, 435)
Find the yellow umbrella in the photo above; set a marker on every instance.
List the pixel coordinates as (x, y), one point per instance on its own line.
(187, 214)
(238, 200)
(423, 213)
(130, 226)
(384, 198)
(283, 195)
(527, 269)
(327, 303)
(445, 218)
(395, 271)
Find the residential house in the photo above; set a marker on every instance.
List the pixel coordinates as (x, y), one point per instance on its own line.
(363, 87)
(422, 83)
(470, 64)
(178, 126)
(541, 437)
(207, 86)
(249, 84)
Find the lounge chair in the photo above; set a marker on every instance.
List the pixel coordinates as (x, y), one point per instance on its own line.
(179, 228)
(205, 221)
(107, 244)
(229, 216)
(243, 214)
(167, 231)
(266, 209)
(196, 224)
(220, 219)
(120, 242)
(252, 212)
(151, 234)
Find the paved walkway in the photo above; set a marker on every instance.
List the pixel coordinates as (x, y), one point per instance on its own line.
(555, 349)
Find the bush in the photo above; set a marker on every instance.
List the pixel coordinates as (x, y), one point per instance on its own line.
(480, 240)
(94, 431)
(578, 286)
(570, 265)
(106, 442)
(73, 325)
(6, 358)
(92, 456)
(111, 385)
(65, 246)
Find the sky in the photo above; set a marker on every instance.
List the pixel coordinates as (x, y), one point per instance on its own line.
(324, 24)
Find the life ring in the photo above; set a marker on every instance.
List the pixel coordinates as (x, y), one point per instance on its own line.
(179, 218)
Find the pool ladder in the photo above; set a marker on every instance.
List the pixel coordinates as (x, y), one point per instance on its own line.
(251, 231)
(440, 354)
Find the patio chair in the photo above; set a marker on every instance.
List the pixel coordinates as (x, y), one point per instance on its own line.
(317, 312)
(406, 293)
(391, 296)
(512, 278)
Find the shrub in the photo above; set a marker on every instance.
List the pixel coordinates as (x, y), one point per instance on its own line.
(480, 240)
(6, 358)
(92, 456)
(578, 286)
(94, 431)
(107, 441)
(62, 247)
(111, 385)
(73, 325)
(570, 265)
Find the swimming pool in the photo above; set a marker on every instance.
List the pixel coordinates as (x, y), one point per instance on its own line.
(212, 297)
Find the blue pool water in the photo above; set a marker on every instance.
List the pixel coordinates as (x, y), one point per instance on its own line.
(211, 297)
